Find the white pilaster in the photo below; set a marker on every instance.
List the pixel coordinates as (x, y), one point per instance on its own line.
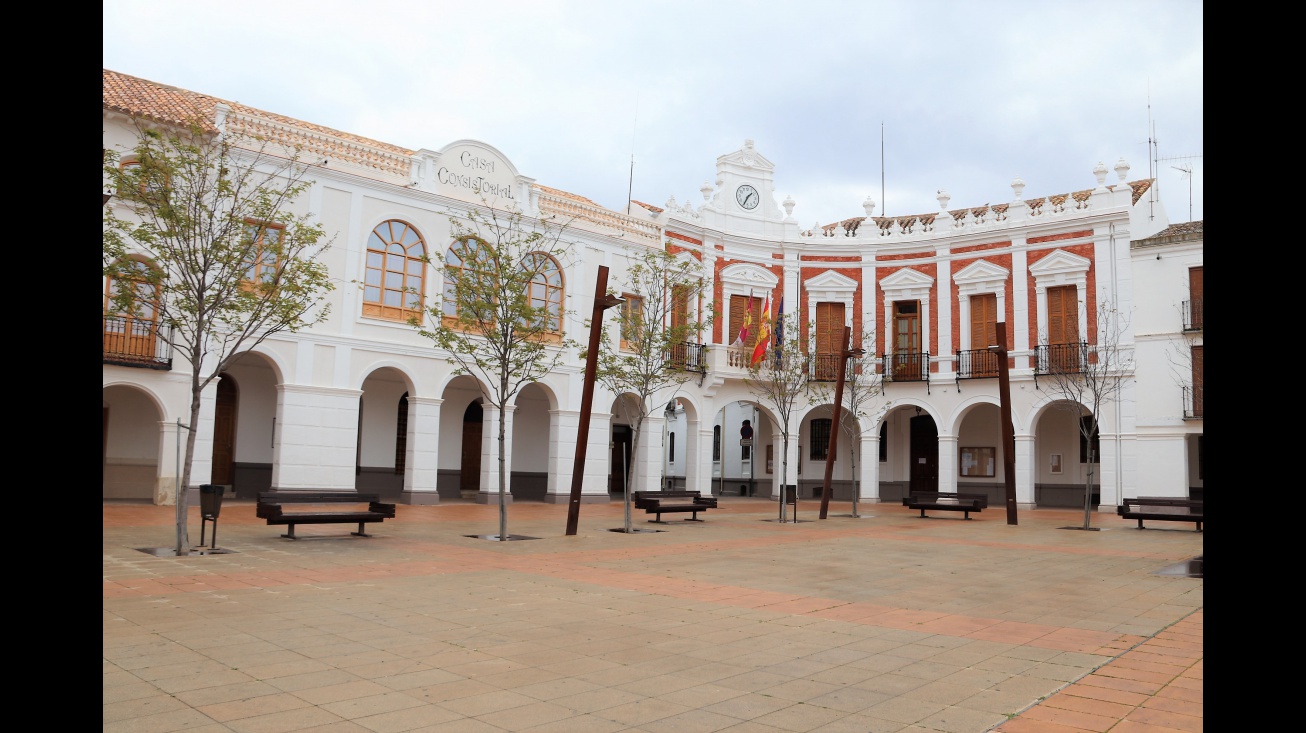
(423, 451)
(316, 440)
(947, 462)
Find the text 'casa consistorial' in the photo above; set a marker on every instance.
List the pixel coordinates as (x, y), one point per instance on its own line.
(472, 176)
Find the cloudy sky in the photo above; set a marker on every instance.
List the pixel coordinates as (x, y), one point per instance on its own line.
(960, 96)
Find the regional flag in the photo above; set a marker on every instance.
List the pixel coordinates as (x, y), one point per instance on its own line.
(763, 333)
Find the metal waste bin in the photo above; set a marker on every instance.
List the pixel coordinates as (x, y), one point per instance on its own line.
(210, 500)
(210, 508)
(791, 493)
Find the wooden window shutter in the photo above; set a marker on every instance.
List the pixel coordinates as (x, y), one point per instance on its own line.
(738, 306)
(983, 321)
(1063, 315)
(1195, 295)
(829, 328)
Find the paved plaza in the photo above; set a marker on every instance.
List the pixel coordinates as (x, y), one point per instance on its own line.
(882, 623)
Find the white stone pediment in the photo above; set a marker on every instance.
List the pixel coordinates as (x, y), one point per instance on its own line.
(473, 171)
(830, 286)
(980, 271)
(1060, 262)
(749, 275)
(746, 157)
(906, 279)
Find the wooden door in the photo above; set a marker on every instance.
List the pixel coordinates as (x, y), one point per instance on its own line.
(1195, 297)
(829, 341)
(906, 363)
(739, 305)
(620, 463)
(224, 432)
(132, 336)
(1197, 381)
(469, 472)
(1063, 329)
(983, 334)
(924, 454)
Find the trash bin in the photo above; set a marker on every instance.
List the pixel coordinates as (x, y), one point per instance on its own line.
(210, 500)
(210, 507)
(791, 493)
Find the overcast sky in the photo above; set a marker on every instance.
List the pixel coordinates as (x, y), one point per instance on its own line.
(964, 95)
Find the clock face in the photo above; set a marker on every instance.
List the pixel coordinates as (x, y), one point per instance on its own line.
(747, 196)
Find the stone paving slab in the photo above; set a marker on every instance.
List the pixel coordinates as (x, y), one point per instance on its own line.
(889, 622)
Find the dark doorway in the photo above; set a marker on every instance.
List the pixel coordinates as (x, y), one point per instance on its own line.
(621, 439)
(924, 454)
(224, 432)
(469, 482)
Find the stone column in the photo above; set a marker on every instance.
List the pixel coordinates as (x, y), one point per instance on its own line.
(316, 441)
(563, 425)
(948, 463)
(1026, 471)
(423, 451)
(489, 493)
(868, 465)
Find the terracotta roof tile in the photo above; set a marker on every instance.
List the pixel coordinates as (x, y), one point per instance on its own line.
(135, 96)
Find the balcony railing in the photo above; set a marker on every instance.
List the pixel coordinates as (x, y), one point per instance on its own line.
(689, 357)
(136, 343)
(906, 367)
(976, 364)
(1060, 358)
(825, 367)
(1193, 403)
(1193, 314)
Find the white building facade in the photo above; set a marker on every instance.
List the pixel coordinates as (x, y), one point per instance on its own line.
(363, 402)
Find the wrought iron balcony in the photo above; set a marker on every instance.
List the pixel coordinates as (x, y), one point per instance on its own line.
(1060, 358)
(137, 343)
(976, 364)
(906, 367)
(825, 367)
(1193, 402)
(1193, 314)
(689, 357)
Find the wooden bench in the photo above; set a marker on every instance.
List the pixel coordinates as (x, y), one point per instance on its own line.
(945, 501)
(660, 502)
(270, 507)
(1162, 509)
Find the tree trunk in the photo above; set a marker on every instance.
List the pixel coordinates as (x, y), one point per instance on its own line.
(1088, 490)
(503, 476)
(784, 477)
(634, 454)
(183, 539)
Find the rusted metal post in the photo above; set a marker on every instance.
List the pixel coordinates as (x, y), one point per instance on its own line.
(602, 302)
(844, 354)
(1008, 430)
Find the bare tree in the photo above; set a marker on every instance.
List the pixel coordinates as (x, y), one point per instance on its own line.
(206, 241)
(779, 380)
(501, 317)
(861, 387)
(1086, 378)
(659, 348)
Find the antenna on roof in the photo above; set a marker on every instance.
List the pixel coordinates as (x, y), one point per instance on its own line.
(884, 211)
(1153, 191)
(1187, 170)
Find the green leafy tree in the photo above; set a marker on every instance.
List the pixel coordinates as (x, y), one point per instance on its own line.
(501, 317)
(1085, 378)
(780, 381)
(658, 349)
(862, 388)
(203, 233)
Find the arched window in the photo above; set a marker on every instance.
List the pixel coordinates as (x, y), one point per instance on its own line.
(465, 258)
(131, 333)
(394, 287)
(546, 289)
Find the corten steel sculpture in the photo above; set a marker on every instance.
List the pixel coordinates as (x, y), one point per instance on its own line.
(844, 355)
(602, 302)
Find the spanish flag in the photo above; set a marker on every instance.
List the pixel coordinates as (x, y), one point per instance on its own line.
(763, 333)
